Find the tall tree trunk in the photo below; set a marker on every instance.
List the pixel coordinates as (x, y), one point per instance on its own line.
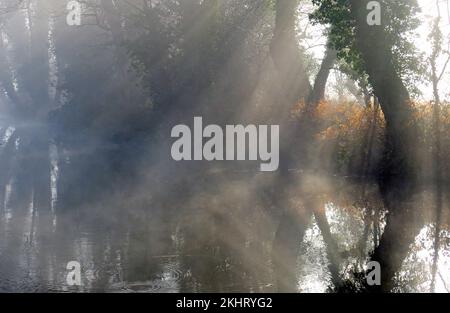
(393, 96)
(398, 180)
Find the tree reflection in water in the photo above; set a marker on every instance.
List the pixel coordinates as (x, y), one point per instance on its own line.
(215, 245)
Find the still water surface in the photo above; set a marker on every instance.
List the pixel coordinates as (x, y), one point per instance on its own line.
(209, 247)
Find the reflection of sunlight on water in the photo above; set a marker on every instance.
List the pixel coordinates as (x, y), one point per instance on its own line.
(346, 225)
(8, 133)
(29, 224)
(415, 275)
(54, 179)
(347, 228)
(314, 275)
(8, 213)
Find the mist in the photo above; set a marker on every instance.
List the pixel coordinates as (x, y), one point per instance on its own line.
(353, 167)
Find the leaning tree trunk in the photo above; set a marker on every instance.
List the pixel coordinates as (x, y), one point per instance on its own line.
(318, 91)
(398, 180)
